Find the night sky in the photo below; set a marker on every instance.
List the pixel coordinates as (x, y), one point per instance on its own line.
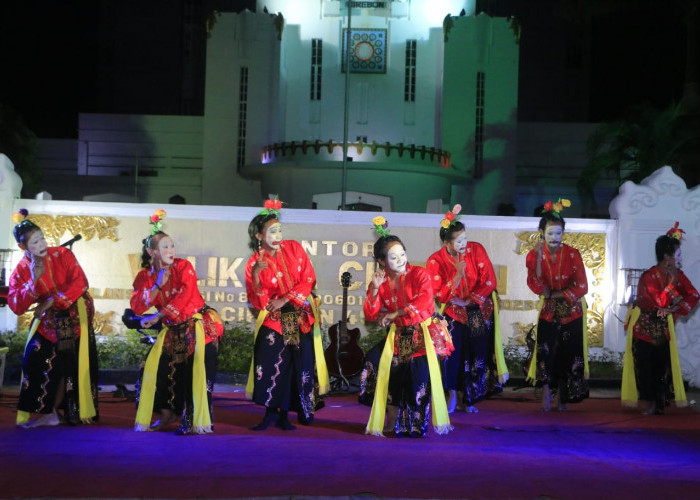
(54, 57)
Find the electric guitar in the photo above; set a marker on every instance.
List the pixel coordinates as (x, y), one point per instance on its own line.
(344, 356)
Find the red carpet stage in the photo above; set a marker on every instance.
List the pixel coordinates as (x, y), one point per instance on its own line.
(508, 450)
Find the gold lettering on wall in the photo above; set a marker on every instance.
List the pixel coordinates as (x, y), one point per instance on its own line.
(347, 267)
(227, 272)
(211, 271)
(349, 249)
(310, 247)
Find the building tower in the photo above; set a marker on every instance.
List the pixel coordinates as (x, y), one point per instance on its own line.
(429, 117)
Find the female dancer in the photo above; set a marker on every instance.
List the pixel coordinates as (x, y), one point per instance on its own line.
(180, 369)
(464, 282)
(401, 296)
(279, 279)
(60, 359)
(555, 272)
(651, 369)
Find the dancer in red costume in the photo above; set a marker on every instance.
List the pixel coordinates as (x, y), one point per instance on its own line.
(651, 369)
(400, 296)
(556, 273)
(279, 279)
(60, 359)
(464, 282)
(178, 377)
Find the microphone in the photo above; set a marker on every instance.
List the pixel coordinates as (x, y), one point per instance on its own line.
(70, 242)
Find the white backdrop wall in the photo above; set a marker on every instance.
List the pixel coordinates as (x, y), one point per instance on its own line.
(647, 210)
(214, 238)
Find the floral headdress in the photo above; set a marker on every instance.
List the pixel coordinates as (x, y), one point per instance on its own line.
(157, 220)
(555, 208)
(272, 206)
(20, 215)
(23, 225)
(380, 225)
(675, 232)
(452, 216)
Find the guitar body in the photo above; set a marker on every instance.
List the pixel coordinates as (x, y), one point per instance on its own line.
(344, 356)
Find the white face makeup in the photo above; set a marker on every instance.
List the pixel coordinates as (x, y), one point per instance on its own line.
(165, 251)
(552, 236)
(678, 258)
(458, 243)
(36, 244)
(396, 258)
(273, 235)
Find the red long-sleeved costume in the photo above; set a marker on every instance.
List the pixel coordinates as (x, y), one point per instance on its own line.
(179, 298)
(654, 292)
(566, 273)
(477, 284)
(413, 296)
(289, 274)
(63, 281)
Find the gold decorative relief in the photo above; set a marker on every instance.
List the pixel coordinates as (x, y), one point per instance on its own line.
(521, 330)
(89, 226)
(102, 322)
(592, 249)
(517, 305)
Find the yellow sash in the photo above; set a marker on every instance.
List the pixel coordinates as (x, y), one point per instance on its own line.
(85, 401)
(532, 370)
(201, 419)
(375, 426)
(629, 394)
(324, 384)
(23, 416)
(501, 367)
(148, 384)
(678, 388)
(440, 417)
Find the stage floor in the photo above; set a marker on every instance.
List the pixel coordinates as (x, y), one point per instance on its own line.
(508, 450)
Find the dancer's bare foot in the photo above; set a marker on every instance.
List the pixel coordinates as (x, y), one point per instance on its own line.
(546, 398)
(649, 409)
(167, 417)
(460, 401)
(451, 400)
(49, 419)
(472, 409)
(391, 414)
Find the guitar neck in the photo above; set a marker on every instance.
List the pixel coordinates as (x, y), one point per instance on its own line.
(344, 313)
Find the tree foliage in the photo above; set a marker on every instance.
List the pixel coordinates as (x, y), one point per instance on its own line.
(20, 145)
(644, 140)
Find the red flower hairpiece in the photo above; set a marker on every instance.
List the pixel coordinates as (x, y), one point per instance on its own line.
(556, 207)
(451, 217)
(675, 232)
(156, 220)
(272, 206)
